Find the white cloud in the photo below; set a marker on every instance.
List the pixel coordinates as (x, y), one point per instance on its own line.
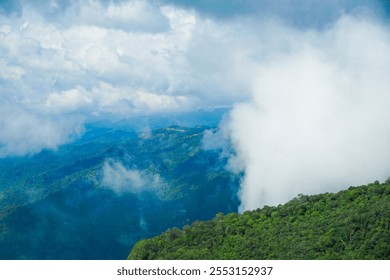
(129, 16)
(310, 106)
(8, 72)
(69, 100)
(23, 132)
(317, 120)
(111, 59)
(86, 65)
(106, 99)
(120, 179)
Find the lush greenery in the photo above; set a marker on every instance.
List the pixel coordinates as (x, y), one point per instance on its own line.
(57, 204)
(351, 224)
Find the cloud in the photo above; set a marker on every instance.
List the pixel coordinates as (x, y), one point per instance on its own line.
(23, 132)
(91, 60)
(309, 88)
(119, 179)
(136, 15)
(302, 13)
(87, 60)
(106, 100)
(317, 119)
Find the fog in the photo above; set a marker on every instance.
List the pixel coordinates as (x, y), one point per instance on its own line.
(318, 117)
(119, 179)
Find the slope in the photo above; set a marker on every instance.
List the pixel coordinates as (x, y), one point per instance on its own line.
(351, 224)
(94, 198)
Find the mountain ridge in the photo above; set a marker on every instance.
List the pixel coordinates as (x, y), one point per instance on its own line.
(95, 197)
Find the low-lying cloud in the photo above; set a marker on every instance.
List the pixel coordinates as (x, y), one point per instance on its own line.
(318, 118)
(121, 180)
(23, 132)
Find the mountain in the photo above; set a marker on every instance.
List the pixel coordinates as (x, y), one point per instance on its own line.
(95, 197)
(351, 224)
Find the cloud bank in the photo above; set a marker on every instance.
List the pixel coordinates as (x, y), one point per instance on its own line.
(318, 117)
(308, 85)
(62, 65)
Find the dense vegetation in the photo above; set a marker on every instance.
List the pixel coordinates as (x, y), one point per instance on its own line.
(351, 224)
(59, 205)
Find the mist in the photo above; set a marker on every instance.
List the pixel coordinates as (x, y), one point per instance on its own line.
(318, 117)
(119, 179)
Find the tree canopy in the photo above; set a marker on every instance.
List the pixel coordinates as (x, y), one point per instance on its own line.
(351, 224)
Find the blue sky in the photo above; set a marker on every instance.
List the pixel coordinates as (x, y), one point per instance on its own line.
(223, 8)
(313, 72)
(298, 13)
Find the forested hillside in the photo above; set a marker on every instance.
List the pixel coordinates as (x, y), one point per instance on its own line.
(351, 224)
(95, 197)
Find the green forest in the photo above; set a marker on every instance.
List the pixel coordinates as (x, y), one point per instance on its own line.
(350, 224)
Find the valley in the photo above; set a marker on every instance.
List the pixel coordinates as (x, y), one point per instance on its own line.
(95, 197)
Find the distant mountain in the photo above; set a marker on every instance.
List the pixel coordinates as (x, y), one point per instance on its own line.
(351, 224)
(94, 198)
(209, 118)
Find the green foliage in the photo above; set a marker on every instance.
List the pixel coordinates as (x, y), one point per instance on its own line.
(56, 198)
(351, 224)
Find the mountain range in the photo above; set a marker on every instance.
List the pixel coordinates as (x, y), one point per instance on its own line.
(95, 197)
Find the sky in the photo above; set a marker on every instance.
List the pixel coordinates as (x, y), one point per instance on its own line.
(305, 80)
